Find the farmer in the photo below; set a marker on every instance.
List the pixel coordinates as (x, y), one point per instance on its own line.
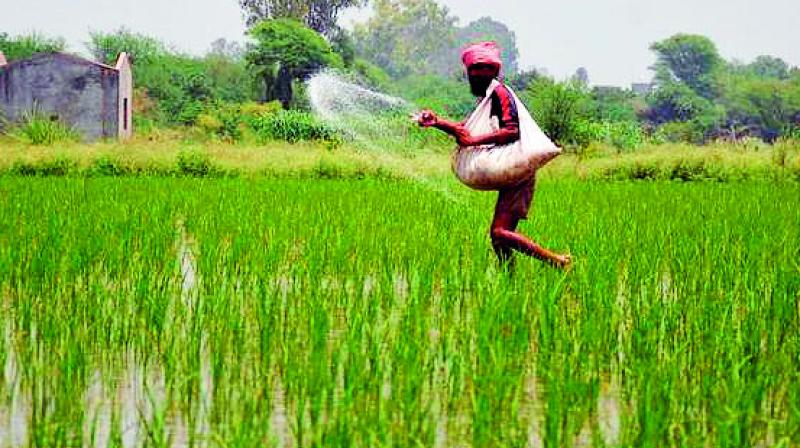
(483, 64)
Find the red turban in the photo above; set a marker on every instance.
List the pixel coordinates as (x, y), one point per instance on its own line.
(482, 53)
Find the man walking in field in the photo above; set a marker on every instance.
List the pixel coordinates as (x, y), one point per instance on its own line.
(483, 63)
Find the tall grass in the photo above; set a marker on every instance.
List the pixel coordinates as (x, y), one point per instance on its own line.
(160, 154)
(36, 128)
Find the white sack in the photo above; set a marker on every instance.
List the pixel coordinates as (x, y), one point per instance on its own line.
(494, 167)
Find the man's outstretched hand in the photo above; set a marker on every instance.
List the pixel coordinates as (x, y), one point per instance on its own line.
(427, 118)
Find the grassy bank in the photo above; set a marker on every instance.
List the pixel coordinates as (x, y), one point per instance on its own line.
(168, 154)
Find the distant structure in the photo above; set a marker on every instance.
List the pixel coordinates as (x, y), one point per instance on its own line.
(93, 98)
(642, 88)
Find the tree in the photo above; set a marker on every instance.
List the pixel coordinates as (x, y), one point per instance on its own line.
(521, 80)
(143, 50)
(285, 50)
(764, 106)
(487, 28)
(228, 72)
(677, 103)
(613, 104)
(342, 44)
(228, 49)
(769, 67)
(408, 37)
(319, 15)
(25, 46)
(559, 108)
(691, 59)
(421, 37)
(582, 76)
(178, 86)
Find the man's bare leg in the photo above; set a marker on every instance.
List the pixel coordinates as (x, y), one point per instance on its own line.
(504, 235)
(505, 255)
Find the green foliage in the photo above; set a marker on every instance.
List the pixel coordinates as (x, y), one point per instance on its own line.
(290, 44)
(319, 15)
(624, 136)
(761, 106)
(371, 75)
(679, 132)
(732, 100)
(561, 109)
(231, 121)
(37, 128)
(180, 87)
(143, 50)
(58, 166)
(294, 126)
(766, 66)
(677, 326)
(613, 104)
(229, 78)
(446, 96)
(690, 59)
(194, 162)
(421, 37)
(521, 80)
(676, 102)
(285, 50)
(26, 45)
(409, 37)
(342, 43)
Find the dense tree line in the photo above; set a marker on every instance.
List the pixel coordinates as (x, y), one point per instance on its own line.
(411, 48)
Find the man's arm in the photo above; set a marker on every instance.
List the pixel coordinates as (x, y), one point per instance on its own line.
(503, 136)
(448, 127)
(502, 102)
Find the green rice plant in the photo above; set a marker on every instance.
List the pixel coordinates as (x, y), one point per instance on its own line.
(343, 312)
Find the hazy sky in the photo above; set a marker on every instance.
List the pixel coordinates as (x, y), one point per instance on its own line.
(608, 37)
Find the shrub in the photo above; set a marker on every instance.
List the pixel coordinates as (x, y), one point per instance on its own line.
(60, 166)
(193, 162)
(209, 123)
(624, 135)
(106, 165)
(189, 111)
(679, 132)
(561, 109)
(583, 132)
(37, 128)
(229, 121)
(294, 126)
(24, 46)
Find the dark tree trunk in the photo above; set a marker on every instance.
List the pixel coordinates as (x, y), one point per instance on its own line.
(267, 87)
(283, 86)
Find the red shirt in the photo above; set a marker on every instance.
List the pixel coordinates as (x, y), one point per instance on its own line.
(504, 108)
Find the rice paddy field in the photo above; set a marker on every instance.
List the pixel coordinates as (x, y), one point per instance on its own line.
(157, 311)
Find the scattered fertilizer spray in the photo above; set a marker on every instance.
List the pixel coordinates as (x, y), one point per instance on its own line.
(370, 119)
(374, 121)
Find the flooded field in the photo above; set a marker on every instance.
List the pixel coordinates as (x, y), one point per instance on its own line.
(235, 312)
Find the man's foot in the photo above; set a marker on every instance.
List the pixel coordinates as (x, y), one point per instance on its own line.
(562, 261)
